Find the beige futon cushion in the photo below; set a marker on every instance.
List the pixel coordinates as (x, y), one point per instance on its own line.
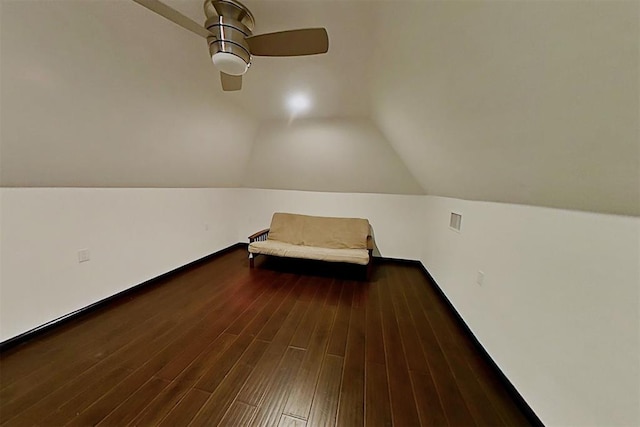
(321, 232)
(274, 247)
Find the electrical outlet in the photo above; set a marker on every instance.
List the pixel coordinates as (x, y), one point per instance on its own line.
(480, 278)
(84, 255)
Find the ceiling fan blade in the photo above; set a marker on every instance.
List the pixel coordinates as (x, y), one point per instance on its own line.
(174, 16)
(230, 83)
(308, 41)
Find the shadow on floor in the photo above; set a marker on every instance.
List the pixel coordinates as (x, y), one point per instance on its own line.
(308, 267)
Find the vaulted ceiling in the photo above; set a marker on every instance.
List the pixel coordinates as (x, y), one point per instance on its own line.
(520, 102)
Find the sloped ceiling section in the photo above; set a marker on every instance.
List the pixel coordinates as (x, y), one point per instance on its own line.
(106, 94)
(521, 102)
(340, 155)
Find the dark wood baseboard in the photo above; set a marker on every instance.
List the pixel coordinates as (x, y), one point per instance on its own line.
(386, 260)
(515, 395)
(38, 331)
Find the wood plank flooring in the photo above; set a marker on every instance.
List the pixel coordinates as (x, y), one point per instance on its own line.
(286, 344)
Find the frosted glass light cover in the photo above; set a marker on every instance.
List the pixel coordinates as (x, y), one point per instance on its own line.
(229, 63)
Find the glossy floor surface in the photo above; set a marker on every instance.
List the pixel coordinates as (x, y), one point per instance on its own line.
(289, 343)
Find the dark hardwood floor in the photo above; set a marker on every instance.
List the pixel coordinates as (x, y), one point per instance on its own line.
(219, 344)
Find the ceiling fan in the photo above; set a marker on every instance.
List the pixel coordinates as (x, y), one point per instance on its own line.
(229, 33)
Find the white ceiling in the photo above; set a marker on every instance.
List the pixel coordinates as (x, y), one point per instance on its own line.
(338, 82)
(97, 94)
(521, 102)
(532, 102)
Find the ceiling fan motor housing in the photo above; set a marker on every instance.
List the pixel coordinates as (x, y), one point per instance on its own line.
(229, 33)
(229, 22)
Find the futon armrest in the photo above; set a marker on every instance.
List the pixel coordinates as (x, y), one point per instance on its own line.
(369, 243)
(259, 236)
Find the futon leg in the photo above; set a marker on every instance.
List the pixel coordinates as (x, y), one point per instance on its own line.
(251, 264)
(369, 266)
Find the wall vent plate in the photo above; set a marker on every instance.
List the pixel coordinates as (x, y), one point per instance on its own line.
(455, 222)
(84, 255)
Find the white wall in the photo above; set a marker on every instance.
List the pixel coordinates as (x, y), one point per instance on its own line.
(136, 234)
(558, 310)
(559, 307)
(395, 219)
(345, 155)
(133, 235)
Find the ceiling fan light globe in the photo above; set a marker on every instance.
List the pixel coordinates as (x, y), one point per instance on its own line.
(229, 63)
